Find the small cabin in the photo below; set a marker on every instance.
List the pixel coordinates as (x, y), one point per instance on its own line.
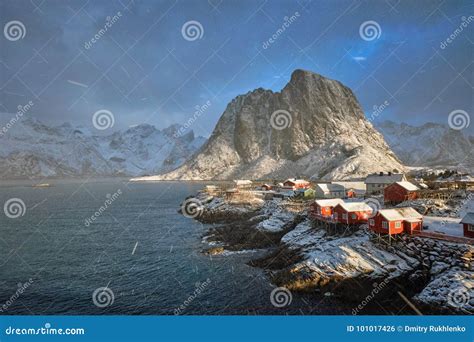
(399, 192)
(295, 184)
(323, 209)
(243, 183)
(396, 221)
(468, 225)
(327, 190)
(266, 187)
(352, 212)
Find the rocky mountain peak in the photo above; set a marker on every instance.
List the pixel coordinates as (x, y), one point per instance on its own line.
(313, 127)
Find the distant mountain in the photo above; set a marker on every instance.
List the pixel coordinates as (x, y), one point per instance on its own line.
(431, 144)
(32, 149)
(314, 127)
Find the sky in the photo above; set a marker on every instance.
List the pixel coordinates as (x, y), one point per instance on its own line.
(158, 62)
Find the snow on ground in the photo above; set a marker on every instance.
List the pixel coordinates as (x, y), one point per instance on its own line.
(453, 288)
(444, 225)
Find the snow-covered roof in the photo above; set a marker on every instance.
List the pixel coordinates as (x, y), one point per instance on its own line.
(400, 214)
(297, 181)
(355, 206)
(468, 218)
(326, 187)
(385, 178)
(242, 182)
(408, 186)
(352, 185)
(332, 202)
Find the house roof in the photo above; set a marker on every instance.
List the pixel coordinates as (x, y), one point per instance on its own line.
(408, 186)
(352, 185)
(468, 218)
(329, 202)
(401, 214)
(326, 187)
(355, 206)
(384, 179)
(296, 181)
(243, 182)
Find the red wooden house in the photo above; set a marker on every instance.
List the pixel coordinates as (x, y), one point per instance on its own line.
(396, 221)
(468, 225)
(352, 212)
(295, 184)
(266, 187)
(323, 209)
(399, 192)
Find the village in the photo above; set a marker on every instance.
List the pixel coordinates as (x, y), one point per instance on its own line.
(389, 203)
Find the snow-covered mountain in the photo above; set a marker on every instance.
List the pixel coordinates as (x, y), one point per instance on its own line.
(314, 127)
(431, 144)
(32, 149)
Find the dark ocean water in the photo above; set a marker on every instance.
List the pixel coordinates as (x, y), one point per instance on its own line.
(144, 253)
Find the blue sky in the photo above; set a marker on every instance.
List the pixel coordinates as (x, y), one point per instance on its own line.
(143, 69)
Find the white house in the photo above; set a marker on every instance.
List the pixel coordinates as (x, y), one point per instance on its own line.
(375, 183)
(326, 190)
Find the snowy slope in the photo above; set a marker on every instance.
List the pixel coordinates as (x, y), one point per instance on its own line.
(431, 144)
(32, 149)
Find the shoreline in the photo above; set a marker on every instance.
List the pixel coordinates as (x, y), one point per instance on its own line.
(304, 257)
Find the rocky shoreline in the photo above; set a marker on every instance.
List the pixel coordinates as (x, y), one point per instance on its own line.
(302, 255)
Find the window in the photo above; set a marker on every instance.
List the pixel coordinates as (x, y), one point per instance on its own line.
(385, 225)
(335, 216)
(398, 224)
(470, 227)
(371, 222)
(354, 216)
(344, 216)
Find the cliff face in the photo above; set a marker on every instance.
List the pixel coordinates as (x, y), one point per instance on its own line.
(314, 127)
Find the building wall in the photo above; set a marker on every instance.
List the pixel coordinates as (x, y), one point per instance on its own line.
(395, 193)
(467, 232)
(360, 216)
(377, 226)
(410, 227)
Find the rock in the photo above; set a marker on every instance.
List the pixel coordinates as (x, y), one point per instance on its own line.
(325, 135)
(438, 267)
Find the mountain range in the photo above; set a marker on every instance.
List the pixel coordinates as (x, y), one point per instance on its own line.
(31, 149)
(313, 128)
